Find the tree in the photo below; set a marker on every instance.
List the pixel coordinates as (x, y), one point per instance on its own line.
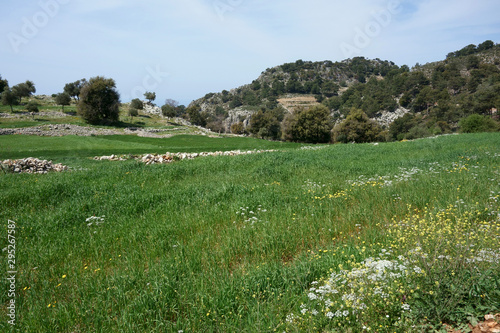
(264, 124)
(99, 100)
(357, 127)
(171, 102)
(63, 99)
(25, 89)
(150, 96)
(310, 125)
(73, 89)
(168, 111)
(136, 104)
(9, 98)
(195, 117)
(401, 126)
(235, 102)
(4, 84)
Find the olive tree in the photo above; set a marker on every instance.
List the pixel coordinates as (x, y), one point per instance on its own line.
(63, 99)
(99, 100)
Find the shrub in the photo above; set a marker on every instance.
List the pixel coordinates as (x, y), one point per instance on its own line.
(32, 107)
(133, 112)
(99, 101)
(238, 128)
(419, 131)
(476, 123)
(357, 127)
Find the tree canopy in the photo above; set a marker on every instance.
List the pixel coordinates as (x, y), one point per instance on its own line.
(99, 100)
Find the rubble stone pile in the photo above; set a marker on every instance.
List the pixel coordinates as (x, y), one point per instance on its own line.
(171, 157)
(32, 165)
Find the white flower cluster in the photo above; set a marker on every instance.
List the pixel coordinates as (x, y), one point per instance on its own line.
(311, 185)
(251, 217)
(347, 286)
(94, 220)
(486, 255)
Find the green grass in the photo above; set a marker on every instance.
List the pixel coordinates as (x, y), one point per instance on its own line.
(174, 251)
(75, 147)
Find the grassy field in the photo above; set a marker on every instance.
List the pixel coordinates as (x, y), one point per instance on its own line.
(395, 237)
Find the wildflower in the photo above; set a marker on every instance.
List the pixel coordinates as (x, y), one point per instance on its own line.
(312, 296)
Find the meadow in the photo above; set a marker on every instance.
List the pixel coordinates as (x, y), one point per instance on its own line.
(394, 237)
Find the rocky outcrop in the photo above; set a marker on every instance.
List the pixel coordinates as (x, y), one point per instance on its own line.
(32, 165)
(151, 109)
(387, 118)
(237, 115)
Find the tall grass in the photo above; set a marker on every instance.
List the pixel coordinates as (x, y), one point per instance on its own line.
(233, 243)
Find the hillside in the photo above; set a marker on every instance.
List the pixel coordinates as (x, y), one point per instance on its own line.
(443, 92)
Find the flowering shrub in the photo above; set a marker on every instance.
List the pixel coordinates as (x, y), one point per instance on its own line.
(441, 266)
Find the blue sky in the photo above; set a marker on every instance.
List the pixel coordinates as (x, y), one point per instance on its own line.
(185, 49)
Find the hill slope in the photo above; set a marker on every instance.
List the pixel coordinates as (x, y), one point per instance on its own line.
(467, 81)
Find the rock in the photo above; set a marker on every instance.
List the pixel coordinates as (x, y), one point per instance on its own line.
(32, 165)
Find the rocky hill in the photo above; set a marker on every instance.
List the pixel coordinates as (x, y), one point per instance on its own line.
(467, 81)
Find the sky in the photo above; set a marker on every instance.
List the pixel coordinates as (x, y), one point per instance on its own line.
(185, 49)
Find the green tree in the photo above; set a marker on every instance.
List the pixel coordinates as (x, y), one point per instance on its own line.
(99, 100)
(137, 104)
(235, 102)
(63, 99)
(25, 89)
(401, 126)
(357, 127)
(264, 124)
(4, 84)
(150, 96)
(168, 111)
(329, 88)
(9, 98)
(195, 116)
(73, 88)
(310, 125)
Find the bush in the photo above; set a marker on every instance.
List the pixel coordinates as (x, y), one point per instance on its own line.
(238, 128)
(476, 123)
(357, 127)
(419, 131)
(99, 101)
(133, 112)
(32, 107)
